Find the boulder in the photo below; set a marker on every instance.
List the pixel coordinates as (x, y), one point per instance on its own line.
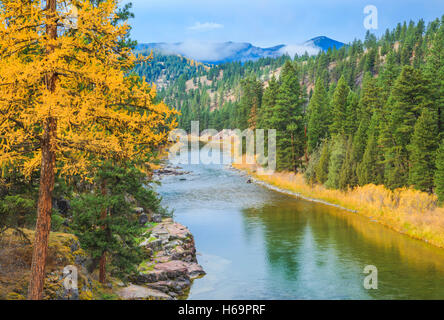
(195, 270)
(152, 243)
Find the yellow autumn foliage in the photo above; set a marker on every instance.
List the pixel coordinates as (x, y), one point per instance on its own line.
(101, 110)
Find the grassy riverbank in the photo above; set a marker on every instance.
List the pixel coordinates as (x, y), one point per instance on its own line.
(407, 211)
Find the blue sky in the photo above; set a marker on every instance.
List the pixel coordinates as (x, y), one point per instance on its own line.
(269, 22)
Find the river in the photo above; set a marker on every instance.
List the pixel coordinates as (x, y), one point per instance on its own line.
(255, 243)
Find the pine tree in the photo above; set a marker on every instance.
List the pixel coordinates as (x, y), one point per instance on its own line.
(347, 174)
(351, 121)
(337, 158)
(310, 171)
(339, 107)
(370, 169)
(408, 98)
(250, 103)
(321, 169)
(370, 102)
(268, 103)
(114, 236)
(423, 151)
(318, 116)
(288, 120)
(390, 71)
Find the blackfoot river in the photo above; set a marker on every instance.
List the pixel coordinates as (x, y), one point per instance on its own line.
(255, 243)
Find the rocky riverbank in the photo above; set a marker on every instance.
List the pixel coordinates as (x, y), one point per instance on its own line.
(171, 264)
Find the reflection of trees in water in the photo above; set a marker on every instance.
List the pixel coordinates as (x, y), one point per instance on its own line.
(412, 268)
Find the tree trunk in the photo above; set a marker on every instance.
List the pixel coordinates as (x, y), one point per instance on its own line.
(102, 269)
(47, 174)
(43, 226)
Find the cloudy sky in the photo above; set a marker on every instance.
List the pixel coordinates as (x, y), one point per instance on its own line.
(269, 22)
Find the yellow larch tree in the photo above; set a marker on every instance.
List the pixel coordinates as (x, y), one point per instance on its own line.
(67, 98)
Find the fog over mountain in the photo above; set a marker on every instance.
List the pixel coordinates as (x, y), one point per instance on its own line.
(221, 52)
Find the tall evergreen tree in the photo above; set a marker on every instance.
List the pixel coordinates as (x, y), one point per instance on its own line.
(369, 102)
(339, 107)
(250, 103)
(268, 102)
(423, 151)
(318, 116)
(321, 169)
(337, 158)
(408, 98)
(351, 121)
(370, 169)
(288, 120)
(347, 174)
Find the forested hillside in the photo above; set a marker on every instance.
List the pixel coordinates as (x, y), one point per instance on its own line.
(370, 112)
(212, 96)
(164, 70)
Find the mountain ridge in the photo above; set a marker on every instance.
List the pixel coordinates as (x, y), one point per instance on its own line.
(221, 52)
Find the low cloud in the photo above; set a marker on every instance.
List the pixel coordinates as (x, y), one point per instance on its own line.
(292, 50)
(203, 51)
(206, 26)
(216, 52)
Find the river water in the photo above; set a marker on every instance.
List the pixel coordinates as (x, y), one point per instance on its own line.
(255, 243)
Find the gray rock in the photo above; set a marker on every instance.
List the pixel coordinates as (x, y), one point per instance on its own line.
(154, 245)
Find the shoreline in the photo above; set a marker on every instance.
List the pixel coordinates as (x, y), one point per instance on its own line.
(401, 220)
(299, 195)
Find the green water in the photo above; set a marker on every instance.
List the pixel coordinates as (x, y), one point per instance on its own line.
(255, 243)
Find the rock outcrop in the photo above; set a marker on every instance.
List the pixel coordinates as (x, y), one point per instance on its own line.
(171, 265)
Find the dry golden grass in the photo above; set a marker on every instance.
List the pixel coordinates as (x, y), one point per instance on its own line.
(408, 211)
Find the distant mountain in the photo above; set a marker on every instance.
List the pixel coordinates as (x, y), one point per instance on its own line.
(324, 43)
(216, 53)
